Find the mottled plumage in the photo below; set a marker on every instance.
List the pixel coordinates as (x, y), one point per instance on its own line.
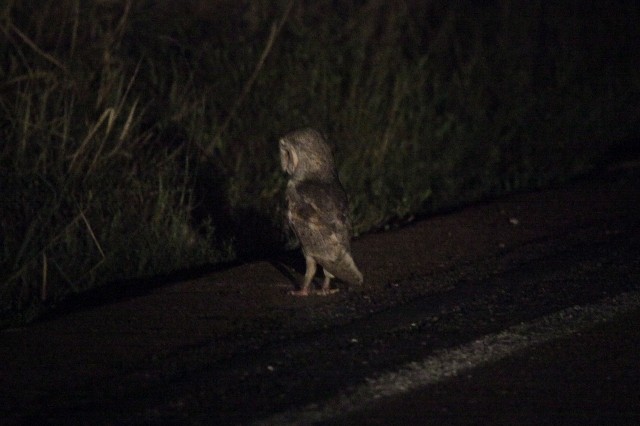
(317, 208)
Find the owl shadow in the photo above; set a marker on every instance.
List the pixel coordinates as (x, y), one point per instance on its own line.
(291, 265)
(254, 233)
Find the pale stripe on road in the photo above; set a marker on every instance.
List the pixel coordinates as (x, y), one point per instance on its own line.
(446, 363)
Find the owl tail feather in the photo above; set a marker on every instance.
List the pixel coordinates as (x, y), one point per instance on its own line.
(344, 268)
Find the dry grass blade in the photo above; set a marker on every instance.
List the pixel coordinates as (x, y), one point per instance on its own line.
(35, 47)
(127, 125)
(108, 115)
(92, 234)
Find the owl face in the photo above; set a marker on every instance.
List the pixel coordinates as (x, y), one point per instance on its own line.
(304, 154)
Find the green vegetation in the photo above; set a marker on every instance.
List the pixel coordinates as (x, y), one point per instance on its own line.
(139, 137)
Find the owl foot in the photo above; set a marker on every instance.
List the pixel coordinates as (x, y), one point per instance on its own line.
(302, 292)
(327, 291)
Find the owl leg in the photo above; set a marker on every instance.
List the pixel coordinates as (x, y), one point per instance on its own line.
(308, 277)
(326, 284)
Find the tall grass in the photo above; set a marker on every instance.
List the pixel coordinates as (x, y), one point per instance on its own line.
(138, 137)
(92, 193)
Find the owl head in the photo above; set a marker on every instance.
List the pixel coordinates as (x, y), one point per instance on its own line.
(304, 154)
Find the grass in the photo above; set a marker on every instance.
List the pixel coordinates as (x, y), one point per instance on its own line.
(138, 138)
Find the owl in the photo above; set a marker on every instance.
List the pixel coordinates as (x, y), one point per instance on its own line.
(317, 209)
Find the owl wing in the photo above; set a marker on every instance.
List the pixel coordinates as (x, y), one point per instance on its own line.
(318, 213)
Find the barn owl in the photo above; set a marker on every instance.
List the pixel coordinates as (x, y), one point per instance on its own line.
(317, 209)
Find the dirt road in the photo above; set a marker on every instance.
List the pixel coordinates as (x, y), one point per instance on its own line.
(461, 310)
